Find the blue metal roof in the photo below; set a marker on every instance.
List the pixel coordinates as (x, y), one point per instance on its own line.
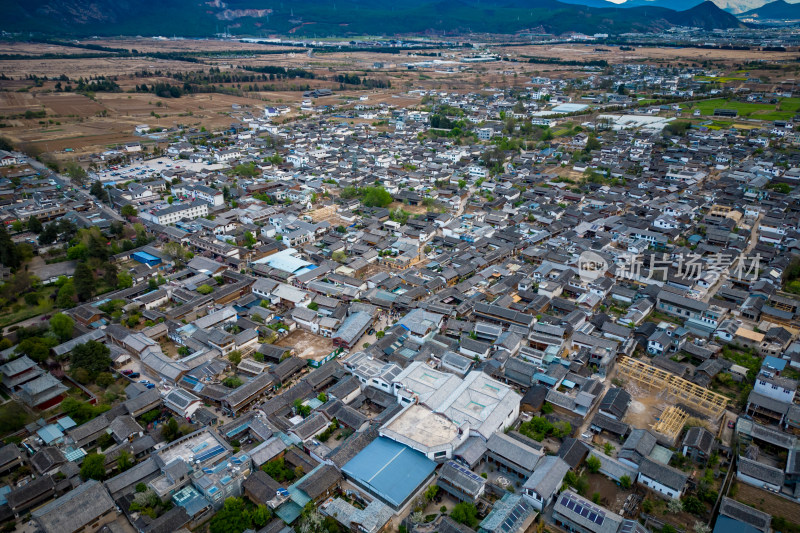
(145, 256)
(726, 524)
(390, 470)
(50, 433)
(774, 363)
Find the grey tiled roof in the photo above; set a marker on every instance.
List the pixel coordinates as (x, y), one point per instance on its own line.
(666, 475)
(513, 450)
(76, 509)
(744, 513)
(759, 471)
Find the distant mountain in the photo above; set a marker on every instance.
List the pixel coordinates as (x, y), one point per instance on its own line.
(706, 15)
(310, 18)
(676, 5)
(739, 7)
(778, 10)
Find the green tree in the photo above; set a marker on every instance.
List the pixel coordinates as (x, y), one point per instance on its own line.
(93, 467)
(104, 379)
(9, 255)
(75, 172)
(83, 280)
(170, 431)
(13, 417)
(110, 275)
(593, 464)
(66, 295)
(592, 143)
(235, 357)
(465, 513)
(249, 240)
(691, 504)
(124, 461)
(34, 225)
(37, 348)
(205, 289)
(261, 515)
(62, 326)
(124, 281)
(625, 482)
(97, 190)
(232, 382)
(92, 356)
(375, 197)
(49, 234)
(128, 211)
(277, 470)
(431, 492)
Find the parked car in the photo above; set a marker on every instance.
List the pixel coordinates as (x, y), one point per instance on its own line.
(731, 423)
(134, 375)
(127, 372)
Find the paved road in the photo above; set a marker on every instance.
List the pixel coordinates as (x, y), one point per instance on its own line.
(67, 184)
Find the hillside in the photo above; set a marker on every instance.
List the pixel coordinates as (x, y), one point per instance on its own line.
(676, 5)
(706, 15)
(778, 10)
(195, 18)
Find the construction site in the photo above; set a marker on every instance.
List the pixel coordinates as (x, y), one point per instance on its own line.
(665, 403)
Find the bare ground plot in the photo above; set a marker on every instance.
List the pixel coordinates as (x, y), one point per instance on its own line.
(75, 68)
(69, 104)
(145, 45)
(612, 495)
(587, 52)
(307, 345)
(413, 209)
(27, 49)
(768, 502)
(645, 407)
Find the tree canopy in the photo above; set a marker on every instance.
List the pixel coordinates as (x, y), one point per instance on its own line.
(375, 197)
(62, 326)
(93, 466)
(92, 356)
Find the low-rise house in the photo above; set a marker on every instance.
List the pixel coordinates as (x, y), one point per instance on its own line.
(664, 480)
(86, 508)
(460, 482)
(545, 482)
(698, 444)
(511, 455)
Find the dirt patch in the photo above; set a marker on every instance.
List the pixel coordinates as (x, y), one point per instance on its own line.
(589, 52)
(768, 502)
(612, 495)
(307, 345)
(644, 408)
(70, 104)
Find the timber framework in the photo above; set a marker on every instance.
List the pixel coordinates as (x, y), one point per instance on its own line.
(680, 390)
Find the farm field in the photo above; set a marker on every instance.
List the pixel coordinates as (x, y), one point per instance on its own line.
(784, 110)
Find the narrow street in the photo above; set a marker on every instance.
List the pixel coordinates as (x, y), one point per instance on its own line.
(752, 241)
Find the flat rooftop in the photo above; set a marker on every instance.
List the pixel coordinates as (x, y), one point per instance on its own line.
(423, 426)
(203, 446)
(389, 470)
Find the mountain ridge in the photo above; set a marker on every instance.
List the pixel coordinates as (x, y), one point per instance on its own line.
(777, 10)
(197, 18)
